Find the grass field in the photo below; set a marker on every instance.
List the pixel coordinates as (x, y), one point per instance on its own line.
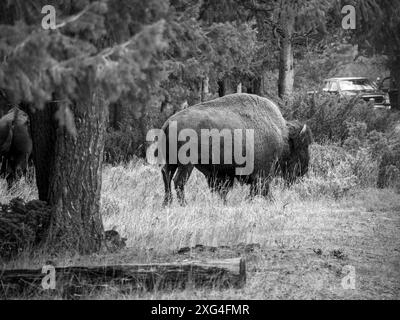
(304, 236)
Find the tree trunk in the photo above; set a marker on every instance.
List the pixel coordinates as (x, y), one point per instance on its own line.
(239, 88)
(116, 115)
(398, 93)
(141, 124)
(257, 86)
(225, 87)
(205, 89)
(395, 74)
(221, 88)
(227, 273)
(286, 71)
(69, 173)
(43, 132)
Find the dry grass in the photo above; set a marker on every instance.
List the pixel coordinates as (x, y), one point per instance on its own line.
(306, 236)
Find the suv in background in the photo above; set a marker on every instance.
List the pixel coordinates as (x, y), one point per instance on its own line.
(388, 86)
(357, 86)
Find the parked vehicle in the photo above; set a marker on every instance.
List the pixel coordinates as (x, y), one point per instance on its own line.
(357, 86)
(388, 86)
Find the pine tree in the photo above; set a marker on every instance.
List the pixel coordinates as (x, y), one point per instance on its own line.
(81, 69)
(289, 21)
(136, 55)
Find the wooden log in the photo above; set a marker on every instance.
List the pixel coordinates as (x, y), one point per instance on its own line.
(211, 273)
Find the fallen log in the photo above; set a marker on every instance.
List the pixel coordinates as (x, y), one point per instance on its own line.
(76, 279)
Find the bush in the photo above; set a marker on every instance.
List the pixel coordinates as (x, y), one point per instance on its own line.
(315, 187)
(374, 142)
(129, 138)
(364, 159)
(329, 116)
(334, 171)
(389, 166)
(22, 225)
(123, 145)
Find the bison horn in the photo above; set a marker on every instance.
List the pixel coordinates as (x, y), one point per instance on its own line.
(304, 129)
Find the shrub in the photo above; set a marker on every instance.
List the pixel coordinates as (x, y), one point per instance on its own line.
(334, 171)
(329, 116)
(374, 142)
(22, 225)
(122, 145)
(389, 166)
(336, 163)
(129, 138)
(315, 187)
(377, 144)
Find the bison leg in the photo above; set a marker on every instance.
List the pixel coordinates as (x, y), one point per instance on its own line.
(221, 184)
(21, 166)
(180, 179)
(168, 172)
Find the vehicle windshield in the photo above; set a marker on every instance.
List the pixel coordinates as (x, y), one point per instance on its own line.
(356, 85)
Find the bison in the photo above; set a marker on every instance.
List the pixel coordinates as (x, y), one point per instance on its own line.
(15, 144)
(275, 144)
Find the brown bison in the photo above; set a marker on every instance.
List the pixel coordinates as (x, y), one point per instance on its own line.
(215, 134)
(15, 144)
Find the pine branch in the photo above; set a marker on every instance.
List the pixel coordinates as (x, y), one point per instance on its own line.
(73, 18)
(40, 30)
(256, 7)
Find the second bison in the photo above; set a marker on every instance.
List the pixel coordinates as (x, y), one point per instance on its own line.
(275, 144)
(15, 144)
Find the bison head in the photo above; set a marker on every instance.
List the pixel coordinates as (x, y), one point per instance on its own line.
(294, 160)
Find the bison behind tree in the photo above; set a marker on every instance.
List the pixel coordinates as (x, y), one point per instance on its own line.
(15, 144)
(277, 144)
